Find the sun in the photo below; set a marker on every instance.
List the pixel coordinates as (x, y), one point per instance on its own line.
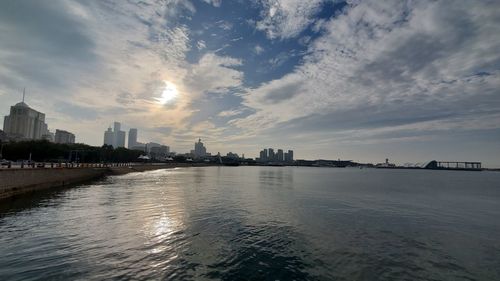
(168, 94)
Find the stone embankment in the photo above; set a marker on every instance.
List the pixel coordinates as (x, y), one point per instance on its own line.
(19, 181)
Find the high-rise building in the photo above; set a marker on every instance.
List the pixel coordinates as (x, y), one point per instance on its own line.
(24, 122)
(263, 155)
(199, 149)
(62, 136)
(279, 156)
(132, 138)
(116, 138)
(270, 155)
(290, 156)
(119, 135)
(109, 137)
(120, 138)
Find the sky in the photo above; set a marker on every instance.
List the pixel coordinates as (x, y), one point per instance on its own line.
(411, 81)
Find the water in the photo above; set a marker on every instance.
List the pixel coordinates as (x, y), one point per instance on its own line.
(260, 223)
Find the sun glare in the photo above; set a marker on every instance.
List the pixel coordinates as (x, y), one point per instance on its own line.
(168, 94)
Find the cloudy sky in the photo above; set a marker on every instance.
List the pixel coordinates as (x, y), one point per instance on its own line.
(362, 80)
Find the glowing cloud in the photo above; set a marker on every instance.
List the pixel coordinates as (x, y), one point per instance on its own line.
(169, 93)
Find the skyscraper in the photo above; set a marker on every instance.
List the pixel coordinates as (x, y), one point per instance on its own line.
(290, 155)
(120, 138)
(24, 122)
(279, 155)
(109, 137)
(132, 138)
(119, 135)
(263, 155)
(116, 138)
(270, 155)
(199, 149)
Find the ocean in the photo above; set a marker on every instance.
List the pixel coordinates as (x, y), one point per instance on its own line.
(258, 223)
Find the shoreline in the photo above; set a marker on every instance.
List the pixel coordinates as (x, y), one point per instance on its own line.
(17, 181)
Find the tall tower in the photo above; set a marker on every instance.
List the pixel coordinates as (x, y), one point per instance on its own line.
(109, 137)
(24, 122)
(132, 138)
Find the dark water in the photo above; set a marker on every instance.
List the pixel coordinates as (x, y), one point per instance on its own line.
(266, 223)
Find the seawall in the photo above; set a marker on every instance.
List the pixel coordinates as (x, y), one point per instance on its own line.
(19, 181)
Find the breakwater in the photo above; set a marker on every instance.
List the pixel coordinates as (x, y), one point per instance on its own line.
(19, 181)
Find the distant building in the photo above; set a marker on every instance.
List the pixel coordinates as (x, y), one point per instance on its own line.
(139, 146)
(151, 145)
(199, 149)
(263, 155)
(279, 156)
(109, 137)
(132, 138)
(120, 138)
(24, 123)
(232, 155)
(289, 156)
(159, 152)
(119, 135)
(49, 136)
(116, 138)
(270, 155)
(62, 136)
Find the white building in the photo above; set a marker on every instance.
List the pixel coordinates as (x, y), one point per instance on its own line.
(119, 135)
(64, 137)
(24, 122)
(109, 137)
(132, 138)
(199, 149)
(116, 138)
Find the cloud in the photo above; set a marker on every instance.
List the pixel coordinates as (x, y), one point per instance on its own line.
(214, 73)
(215, 3)
(201, 45)
(285, 19)
(258, 49)
(387, 64)
(230, 113)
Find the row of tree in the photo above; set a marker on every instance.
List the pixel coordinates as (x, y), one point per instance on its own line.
(45, 151)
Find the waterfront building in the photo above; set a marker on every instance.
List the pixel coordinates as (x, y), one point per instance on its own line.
(139, 146)
(119, 135)
(116, 138)
(270, 154)
(24, 123)
(232, 155)
(279, 156)
(263, 155)
(49, 136)
(109, 137)
(151, 145)
(62, 136)
(120, 138)
(159, 152)
(199, 149)
(132, 138)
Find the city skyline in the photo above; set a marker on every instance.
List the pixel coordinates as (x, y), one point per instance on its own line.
(409, 81)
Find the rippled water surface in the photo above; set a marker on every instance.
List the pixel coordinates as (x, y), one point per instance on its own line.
(260, 223)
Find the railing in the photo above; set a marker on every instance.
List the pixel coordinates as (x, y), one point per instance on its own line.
(68, 165)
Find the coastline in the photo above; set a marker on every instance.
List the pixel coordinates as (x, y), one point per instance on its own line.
(14, 182)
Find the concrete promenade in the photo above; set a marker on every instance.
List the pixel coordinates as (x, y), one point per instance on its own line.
(16, 181)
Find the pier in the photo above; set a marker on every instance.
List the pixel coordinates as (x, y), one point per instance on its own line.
(453, 165)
